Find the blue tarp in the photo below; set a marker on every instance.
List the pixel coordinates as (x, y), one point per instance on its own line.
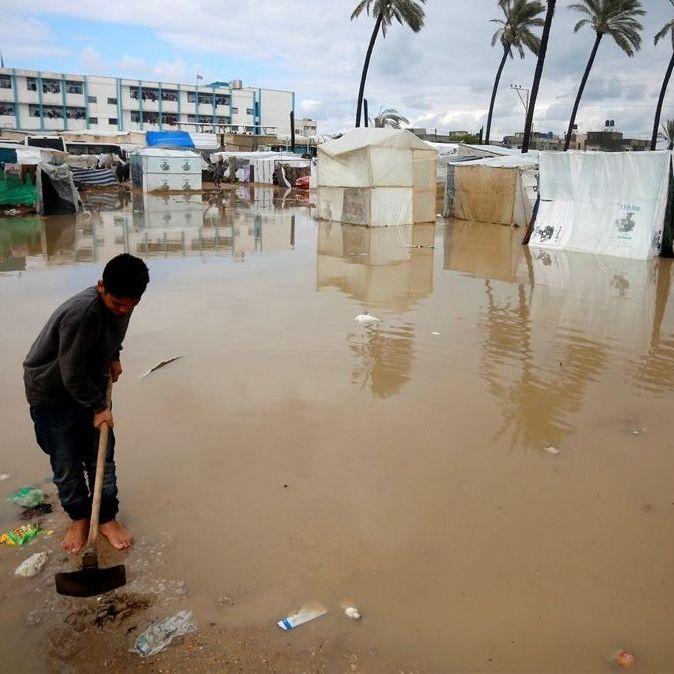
(168, 139)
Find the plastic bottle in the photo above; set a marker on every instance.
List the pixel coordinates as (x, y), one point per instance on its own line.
(304, 615)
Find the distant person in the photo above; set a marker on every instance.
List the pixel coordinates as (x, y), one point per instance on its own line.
(219, 171)
(65, 375)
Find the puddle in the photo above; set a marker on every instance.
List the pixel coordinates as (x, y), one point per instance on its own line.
(294, 455)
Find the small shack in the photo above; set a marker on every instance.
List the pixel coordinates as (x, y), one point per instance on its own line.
(610, 203)
(498, 190)
(376, 178)
(154, 169)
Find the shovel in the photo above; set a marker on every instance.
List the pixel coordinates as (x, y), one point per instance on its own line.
(90, 581)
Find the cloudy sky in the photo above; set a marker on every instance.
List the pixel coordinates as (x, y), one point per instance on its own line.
(440, 78)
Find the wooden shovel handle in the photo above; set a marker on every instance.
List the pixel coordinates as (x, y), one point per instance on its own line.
(100, 469)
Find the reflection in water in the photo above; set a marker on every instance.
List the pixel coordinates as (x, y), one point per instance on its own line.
(231, 222)
(390, 268)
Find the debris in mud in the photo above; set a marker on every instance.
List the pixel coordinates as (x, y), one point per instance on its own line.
(308, 612)
(160, 634)
(20, 535)
(366, 318)
(552, 451)
(32, 566)
(40, 509)
(435, 334)
(636, 431)
(27, 497)
(352, 612)
(625, 659)
(4, 476)
(160, 365)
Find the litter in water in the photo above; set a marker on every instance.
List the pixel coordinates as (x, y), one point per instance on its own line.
(160, 634)
(27, 497)
(553, 451)
(43, 508)
(435, 333)
(32, 566)
(367, 317)
(352, 612)
(20, 535)
(4, 476)
(625, 659)
(308, 612)
(160, 365)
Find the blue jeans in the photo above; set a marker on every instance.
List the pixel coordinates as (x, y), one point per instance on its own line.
(67, 435)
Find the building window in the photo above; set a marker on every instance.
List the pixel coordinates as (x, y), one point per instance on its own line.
(249, 111)
(51, 87)
(150, 95)
(92, 99)
(112, 101)
(31, 84)
(191, 97)
(112, 120)
(235, 111)
(93, 120)
(74, 87)
(6, 109)
(221, 99)
(48, 111)
(135, 116)
(133, 93)
(169, 95)
(170, 120)
(5, 82)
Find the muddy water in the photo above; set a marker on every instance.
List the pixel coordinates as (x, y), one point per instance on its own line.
(295, 455)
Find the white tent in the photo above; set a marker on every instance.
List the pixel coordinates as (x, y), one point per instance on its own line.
(376, 177)
(603, 202)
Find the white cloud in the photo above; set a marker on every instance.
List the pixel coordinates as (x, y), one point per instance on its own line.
(92, 61)
(440, 77)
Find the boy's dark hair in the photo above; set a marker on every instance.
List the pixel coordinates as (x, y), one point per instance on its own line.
(126, 276)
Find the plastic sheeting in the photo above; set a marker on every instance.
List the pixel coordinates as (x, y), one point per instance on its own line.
(377, 178)
(602, 202)
(14, 192)
(169, 139)
(56, 190)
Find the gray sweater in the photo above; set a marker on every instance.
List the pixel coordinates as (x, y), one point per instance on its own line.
(69, 359)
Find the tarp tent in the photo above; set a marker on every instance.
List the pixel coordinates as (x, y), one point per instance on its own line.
(56, 190)
(603, 202)
(376, 177)
(169, 139)
(499, 190)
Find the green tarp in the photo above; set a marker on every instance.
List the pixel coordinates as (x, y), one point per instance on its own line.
(13, 192)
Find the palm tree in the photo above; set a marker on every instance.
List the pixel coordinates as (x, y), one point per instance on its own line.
(391, 118)
(667, 28)
(528, 126)
(519, 17)
(616, 18)
(409, 12)
(667, 133)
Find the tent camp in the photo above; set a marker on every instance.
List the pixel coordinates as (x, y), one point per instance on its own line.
(499, 190)
(377, 178)
(603, 202)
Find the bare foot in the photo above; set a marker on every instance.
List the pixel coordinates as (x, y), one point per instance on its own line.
(76, 536)
(118, 535)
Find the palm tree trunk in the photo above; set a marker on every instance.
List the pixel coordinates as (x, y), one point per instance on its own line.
(538, 75)
(493, 93)
(661, 100)
(366, 66)
(583, 82)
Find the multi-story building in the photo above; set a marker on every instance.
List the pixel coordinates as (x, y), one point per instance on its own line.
(306, 127)
(538, 141)
(33, 100)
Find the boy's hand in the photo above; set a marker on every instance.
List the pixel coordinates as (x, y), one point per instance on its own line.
(115, 370)
(105, 415)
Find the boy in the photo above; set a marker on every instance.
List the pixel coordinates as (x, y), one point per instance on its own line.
(65, 378)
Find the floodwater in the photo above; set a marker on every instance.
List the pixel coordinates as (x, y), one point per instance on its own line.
(295, 455)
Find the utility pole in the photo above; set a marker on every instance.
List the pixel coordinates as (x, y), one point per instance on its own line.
(523, 94)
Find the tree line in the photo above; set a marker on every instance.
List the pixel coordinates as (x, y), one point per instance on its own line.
(618, 20)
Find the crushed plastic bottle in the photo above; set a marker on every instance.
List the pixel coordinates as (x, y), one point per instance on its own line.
(32, 566)
(308, 612)
(161, 633)
(367, 318)
(352, 612)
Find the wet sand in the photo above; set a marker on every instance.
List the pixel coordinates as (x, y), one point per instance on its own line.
(295, 455)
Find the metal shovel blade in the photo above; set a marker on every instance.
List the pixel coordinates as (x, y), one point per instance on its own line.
(90, 582)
